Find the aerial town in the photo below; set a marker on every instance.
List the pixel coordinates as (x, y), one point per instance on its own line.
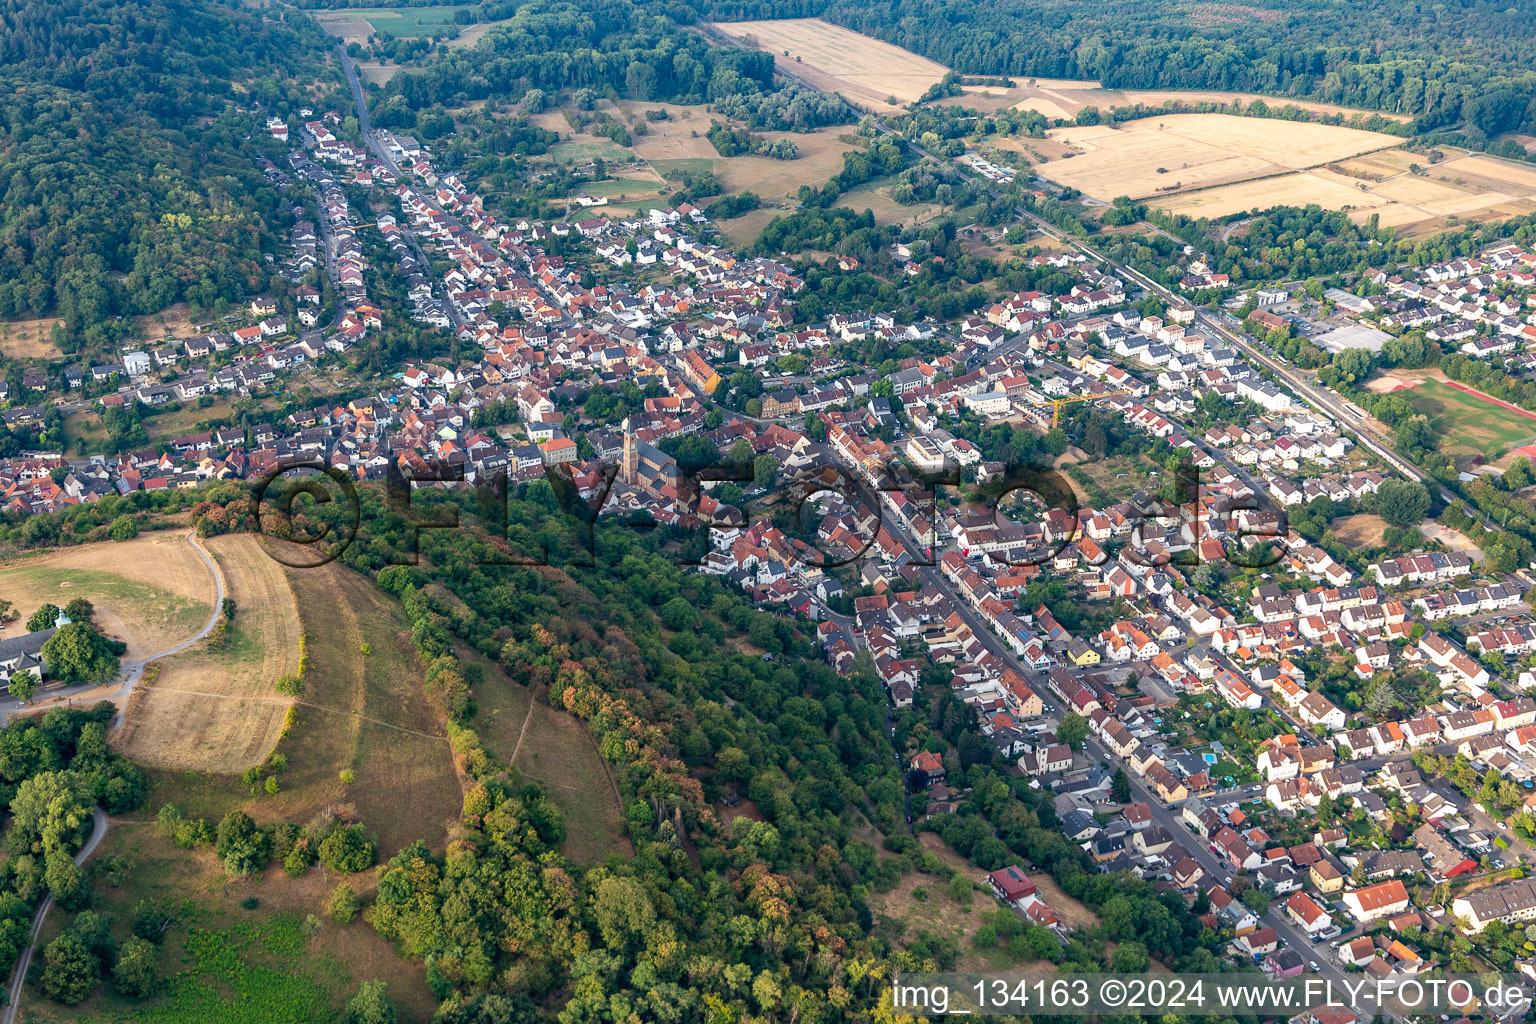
(1156, 541)
(1206, 699)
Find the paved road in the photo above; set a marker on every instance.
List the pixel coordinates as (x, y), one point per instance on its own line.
(19, 974)
(133, 672)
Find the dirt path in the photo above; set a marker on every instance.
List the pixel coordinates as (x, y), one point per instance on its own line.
(527, 717)
(19, 974)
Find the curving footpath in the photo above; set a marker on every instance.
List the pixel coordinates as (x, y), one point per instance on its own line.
(19, 977)
(133, 672)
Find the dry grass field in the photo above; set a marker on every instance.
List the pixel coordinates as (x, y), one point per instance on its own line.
(174, 321)
(151, 592)
(1380, 184)
(1065, 97)
(877, 200)
(213, 707)
(1180, 152)
(555, 750)
(679, 144)
(28, 339)
(1360, 531)
(363, 712)
(865, 71)
(744, 230)
(376, 73)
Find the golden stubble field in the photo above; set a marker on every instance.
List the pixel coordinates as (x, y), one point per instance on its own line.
(1381, 184)
(1055, 97)
(1179, 152)
(866, 71)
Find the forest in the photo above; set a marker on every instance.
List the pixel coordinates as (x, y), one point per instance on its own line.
(1438, 63)
(125, 185)
(638, 49)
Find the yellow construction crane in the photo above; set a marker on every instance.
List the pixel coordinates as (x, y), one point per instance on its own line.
(1057, 403)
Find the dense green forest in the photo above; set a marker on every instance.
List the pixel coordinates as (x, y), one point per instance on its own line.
(124, 182)
(639, 50)
(1440, 63)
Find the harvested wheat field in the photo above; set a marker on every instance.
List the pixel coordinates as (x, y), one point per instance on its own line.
(152, 592)
(29, 339)
(1180, 152)
(865, 71)
(1381, 185)
(1054, 97)
(213, 707)
(1325, 188)
(1489, 172)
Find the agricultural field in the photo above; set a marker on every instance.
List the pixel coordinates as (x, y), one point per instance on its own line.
(1468, 424)
(151, 592)
(29, 339)
(1323, 187)
(364, 711)
(1381, 184)
(865, 71)
(213, 707)
(1181, 152)
(555, 750)
(1054, 97)
(225, 962)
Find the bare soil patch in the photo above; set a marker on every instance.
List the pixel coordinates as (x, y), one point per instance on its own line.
(174, 321)
(1360, 531)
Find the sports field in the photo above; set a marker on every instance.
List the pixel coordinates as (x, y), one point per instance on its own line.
(1468, 423)
(865, 71)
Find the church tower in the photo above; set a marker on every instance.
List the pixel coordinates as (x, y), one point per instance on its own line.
(630, 470)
